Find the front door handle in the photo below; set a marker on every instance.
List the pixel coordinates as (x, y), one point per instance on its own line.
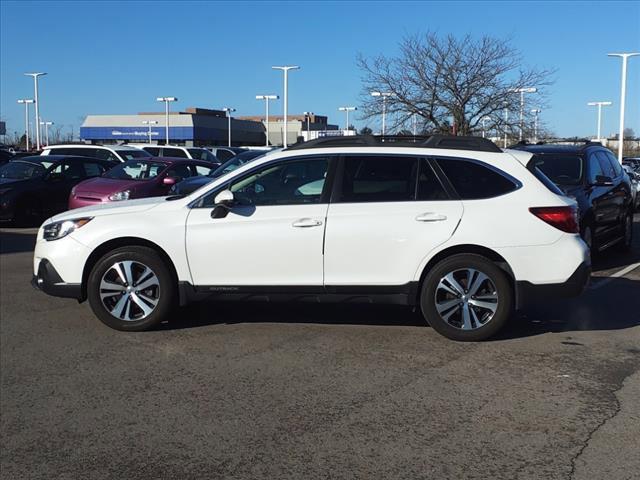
(306, 222)
(431, 217)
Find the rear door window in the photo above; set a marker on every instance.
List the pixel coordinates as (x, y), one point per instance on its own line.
(224, 155)
(473, 180)
(93, 169)
(153, 151)
(429, 187)
(378, 178)
(174, 152)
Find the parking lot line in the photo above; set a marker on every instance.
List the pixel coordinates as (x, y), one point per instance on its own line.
(613, 276)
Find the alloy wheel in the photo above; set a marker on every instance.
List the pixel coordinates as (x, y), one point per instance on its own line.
(466, 299)
(129, 290)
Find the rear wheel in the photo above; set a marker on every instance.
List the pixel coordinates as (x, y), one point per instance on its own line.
(466, 297)
(131, 288)
(627, 233)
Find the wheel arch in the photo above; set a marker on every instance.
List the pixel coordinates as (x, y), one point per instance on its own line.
(492, 255)
(111, 245)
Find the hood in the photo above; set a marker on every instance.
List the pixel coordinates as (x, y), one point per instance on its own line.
(111, 208)
(14, 182)
(190, 185)
(106, 186)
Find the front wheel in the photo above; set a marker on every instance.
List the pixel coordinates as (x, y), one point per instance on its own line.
(627, 233)
(466, 297)
(131, 288)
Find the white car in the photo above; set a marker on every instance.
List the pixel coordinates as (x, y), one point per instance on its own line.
(114, 153)
(177, 151)
(454, 225)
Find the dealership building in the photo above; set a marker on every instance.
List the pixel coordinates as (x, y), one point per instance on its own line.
(192, 127)
(199, 127)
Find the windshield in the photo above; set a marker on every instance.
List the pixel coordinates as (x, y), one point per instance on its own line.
(21, 170)
(202, 154)
(136, 170)
(131, 154)
(561, 169)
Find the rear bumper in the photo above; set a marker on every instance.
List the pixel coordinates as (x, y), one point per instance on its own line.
(528, 293)
(49, 281)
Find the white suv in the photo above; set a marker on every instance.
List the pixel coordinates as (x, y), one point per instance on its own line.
(453, 225)
(113, 153)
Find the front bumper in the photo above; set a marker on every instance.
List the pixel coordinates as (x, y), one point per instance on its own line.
(528, 293)
(49, 281)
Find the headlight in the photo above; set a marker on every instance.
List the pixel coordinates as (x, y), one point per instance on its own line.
(116, 197)
(57, 230)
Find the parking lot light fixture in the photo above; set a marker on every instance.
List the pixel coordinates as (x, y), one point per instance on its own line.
(46, 126)
(384, 96)
(149, 123)
(623, 93)
(347, 110)
(599, 105)
(35, 76)
(522, 91)
(307, 117)
(266, 99)
(229, 110)
(166, 101)
(26, 102)
(285, 69)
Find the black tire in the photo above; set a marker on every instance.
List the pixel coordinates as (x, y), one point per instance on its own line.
(28, 213)
(165, 291)
(627, 232)
(498, 282)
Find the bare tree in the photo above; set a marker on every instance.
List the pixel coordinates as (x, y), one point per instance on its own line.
(444, 79)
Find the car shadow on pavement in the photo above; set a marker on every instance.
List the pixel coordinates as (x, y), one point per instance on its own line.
(613, 306)
(17, 240)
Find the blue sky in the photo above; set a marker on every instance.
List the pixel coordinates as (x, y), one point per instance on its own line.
(117, 57)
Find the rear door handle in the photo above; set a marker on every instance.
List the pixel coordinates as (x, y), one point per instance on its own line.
(431, 217)
(306, 223)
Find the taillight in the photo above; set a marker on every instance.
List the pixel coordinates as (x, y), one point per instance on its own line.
(562, 218)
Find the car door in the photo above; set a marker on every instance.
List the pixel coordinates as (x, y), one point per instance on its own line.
(385, 216)
(272, 235)
(61, 179)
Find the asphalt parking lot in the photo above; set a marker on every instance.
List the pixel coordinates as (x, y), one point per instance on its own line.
(302, 391)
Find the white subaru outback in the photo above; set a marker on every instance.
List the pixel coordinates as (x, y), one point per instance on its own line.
(454, 225)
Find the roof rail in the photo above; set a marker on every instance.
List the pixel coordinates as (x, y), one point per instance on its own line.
(430, 141)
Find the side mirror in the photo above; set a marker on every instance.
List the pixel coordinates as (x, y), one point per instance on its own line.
(169, 181)
(225, 197)
(223, 203)
(603, 181)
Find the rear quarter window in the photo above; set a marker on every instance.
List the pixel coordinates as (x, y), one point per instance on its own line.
(475, 181)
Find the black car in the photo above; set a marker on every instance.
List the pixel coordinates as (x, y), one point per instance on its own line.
(33, 188)
(593, 176)
(189, 185)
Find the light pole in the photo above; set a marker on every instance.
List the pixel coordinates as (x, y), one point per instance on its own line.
(506, 124)
(266, 99)
(229, 110)
(35, 76)
(26, 102)
(285, 69)
(347, 110)
(623, 93)
(384, 96)
(46, 129)
(166, 101)
(522, 91)
(484, 125)
(536, 112)
(599, 105)
(149, 122)
(307, 117)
